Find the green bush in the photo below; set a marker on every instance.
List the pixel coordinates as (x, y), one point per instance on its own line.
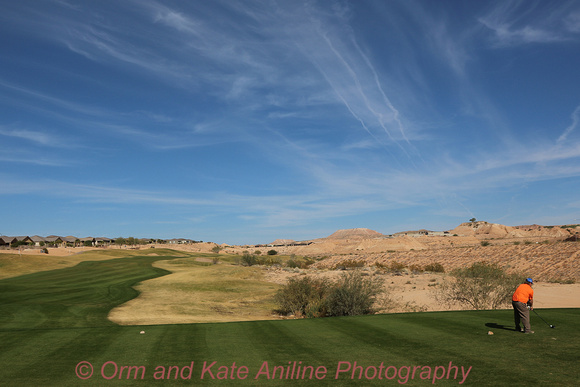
(484, 243)
(249, 260)
(353, 294)
(272, 252)
(303, 297)
(292, 264)
(481, 286)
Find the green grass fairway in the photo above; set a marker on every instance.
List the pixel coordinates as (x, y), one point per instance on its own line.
(52, 321)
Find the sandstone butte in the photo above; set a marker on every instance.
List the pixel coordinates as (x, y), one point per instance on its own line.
(548, 253)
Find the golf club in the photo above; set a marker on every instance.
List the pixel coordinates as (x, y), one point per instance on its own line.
(550, 325)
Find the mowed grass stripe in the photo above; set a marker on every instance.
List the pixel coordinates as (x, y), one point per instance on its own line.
(73, 297)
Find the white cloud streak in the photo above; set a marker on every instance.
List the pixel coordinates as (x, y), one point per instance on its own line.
(575, 119)
(513, 24)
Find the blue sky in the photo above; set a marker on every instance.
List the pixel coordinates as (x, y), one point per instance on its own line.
(243, 122)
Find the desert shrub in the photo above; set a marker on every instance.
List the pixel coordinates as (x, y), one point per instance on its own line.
(562, 281)
(267, 261)
(215, 260)
(216, 249)
(272, 252)
(349, 264)
(249, 260)
(301, 263)
(396, 267)
(414, 268)
(435, 268)
(353, 295)
(44, 250)
(481, 286)
(303, 296)
(381, 266)
(257, 252)
(306, 263)
(484, 243)
(292, 263)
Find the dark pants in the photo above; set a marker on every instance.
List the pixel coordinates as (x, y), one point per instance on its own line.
(521, 313)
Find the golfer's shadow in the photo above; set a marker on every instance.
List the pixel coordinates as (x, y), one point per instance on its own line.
(499, 326)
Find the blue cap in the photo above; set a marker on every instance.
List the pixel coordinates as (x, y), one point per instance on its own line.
(530, 280)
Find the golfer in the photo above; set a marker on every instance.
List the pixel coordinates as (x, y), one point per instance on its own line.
(522, 298)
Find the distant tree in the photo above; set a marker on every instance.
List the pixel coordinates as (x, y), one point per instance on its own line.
(120, 241)
(472, 220)
(272, 252)
(216, 249)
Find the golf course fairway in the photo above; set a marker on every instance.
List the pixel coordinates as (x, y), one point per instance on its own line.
(54, 331)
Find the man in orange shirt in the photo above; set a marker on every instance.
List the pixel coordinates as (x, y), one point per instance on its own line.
(522, 298)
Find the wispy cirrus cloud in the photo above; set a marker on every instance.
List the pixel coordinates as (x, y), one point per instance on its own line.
(37, 137)
(514, 23)
(573, 126)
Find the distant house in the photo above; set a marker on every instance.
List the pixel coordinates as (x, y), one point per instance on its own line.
(24, 239)
(421, 233)
(6, 240)
(87, 240)
(9, 241)
(71, 240)
(179, 241)
(53, 240)
(102, 241)
(38, 240)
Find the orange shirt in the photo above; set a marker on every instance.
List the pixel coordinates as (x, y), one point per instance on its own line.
(523, 293)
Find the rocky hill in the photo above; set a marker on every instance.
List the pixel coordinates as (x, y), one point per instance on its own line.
(355, 233)
(494, 230)
(550, 253)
